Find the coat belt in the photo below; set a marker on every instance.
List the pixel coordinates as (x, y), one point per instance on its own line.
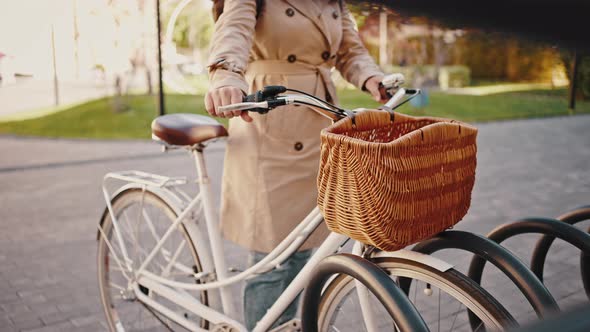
(293, 68)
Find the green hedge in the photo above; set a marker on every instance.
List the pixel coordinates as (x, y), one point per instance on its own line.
(454, 77)
(446, 76)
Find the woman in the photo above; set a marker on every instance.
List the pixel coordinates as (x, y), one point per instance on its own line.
(269, 182)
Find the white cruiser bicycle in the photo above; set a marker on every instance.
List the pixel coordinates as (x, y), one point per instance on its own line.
(161, 263)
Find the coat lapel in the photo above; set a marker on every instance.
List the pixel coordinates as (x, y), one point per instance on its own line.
(310, 10)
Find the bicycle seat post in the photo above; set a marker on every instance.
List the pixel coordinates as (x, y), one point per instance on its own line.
(212, 227)
(197, 152)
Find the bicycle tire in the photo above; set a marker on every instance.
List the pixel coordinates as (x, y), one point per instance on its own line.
(473, 296)
(119, 203)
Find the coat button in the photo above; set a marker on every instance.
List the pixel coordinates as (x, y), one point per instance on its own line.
(291, 58)
(326, 55)
(298, 146)
(290, 12)
(335, 15)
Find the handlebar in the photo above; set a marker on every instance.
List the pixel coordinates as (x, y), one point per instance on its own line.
(270, 97)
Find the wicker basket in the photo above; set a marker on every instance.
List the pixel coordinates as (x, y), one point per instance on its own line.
(391, 184)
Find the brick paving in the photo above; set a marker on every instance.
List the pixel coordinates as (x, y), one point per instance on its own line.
(50, 202)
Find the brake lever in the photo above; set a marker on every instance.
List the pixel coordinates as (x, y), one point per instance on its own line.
(246, 106)
(384, 92)
(390, 84)
(259, 107)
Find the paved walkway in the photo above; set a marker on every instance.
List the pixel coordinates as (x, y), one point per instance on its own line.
(50, 203)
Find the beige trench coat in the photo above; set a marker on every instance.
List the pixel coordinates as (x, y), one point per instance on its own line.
(271, 164)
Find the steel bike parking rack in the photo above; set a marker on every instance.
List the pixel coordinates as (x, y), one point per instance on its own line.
(550, 227)
(485, 250)
(544, 243)
(393, 299)
(547, 226)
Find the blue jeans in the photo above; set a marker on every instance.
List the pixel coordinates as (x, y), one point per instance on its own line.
(263, 290)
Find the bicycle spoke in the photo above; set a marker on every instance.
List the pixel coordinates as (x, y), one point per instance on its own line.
(150, 310)
(140, 250)
(112, 253)
(167, 268)
(140, 212)
(478, 327)
(117, 296)
(119, 252)
(136, 240)
(456, 315)
(112, 284)
(338, 310)
(415, 293)
(128, 228)
(151, 227)
(116, 269)
(364, 324)
(135, 236)
(438, 310)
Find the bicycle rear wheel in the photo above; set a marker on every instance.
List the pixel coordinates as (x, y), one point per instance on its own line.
(442, 298)
(142, 218)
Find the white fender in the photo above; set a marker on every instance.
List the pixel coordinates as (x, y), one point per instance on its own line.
(427, 260)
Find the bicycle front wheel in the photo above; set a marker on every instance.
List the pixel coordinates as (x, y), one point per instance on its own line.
(442, 298)
(142, 218)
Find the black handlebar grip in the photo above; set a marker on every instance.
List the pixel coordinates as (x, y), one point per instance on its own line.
(249, 98)
(264, 94)
(272, 90)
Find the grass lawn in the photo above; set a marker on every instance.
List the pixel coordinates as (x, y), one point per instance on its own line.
(96, 119)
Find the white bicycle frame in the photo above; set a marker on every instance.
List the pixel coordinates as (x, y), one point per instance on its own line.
(212, 259)
(214, 269)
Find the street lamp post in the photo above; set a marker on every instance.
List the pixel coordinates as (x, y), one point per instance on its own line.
(573, 80)
(54, 62)
(161, 109)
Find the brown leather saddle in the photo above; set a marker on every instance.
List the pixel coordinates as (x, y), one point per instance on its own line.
(186, 129)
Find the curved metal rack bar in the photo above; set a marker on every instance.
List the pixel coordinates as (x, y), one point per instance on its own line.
(485, 250)
(396, 303)
(542, 247)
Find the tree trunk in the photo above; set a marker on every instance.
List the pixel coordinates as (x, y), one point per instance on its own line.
(148, 78)
(119, 104)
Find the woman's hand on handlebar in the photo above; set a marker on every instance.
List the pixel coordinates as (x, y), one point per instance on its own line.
(372, 86)
(223, 96)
